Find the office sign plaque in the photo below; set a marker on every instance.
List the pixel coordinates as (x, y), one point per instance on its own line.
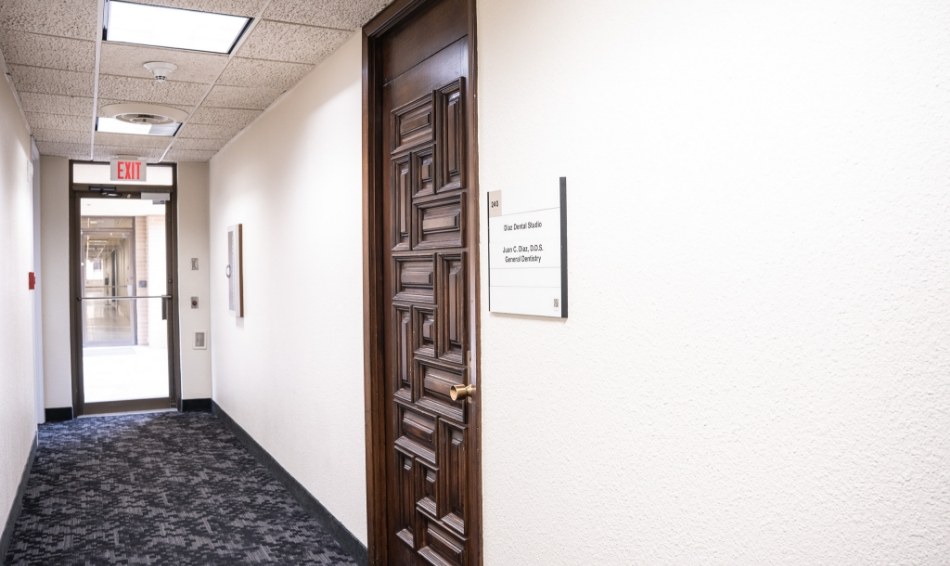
(527, 252)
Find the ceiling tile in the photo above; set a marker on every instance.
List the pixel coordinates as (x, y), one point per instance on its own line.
(198, 143)
(208, 131)
(253, 72)
(59, 122)
(55, 104)
(23, 48)
(189, 155)
(51, 81)
(233, 7)
(62, 136)
(128, 140)
(49, 47)
(73, 150)
(209, 115)
(340, 14)
(242, 97)
(144, 90)
(70, 18)
(105, 152)
(129, 61)
(277, 41)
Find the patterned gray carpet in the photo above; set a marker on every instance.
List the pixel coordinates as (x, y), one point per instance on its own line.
(165, 488)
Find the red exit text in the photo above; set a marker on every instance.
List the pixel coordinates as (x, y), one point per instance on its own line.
(129, 170)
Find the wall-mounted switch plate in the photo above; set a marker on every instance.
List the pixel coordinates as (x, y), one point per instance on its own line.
(194, 302)
(194, 264)
(200, 343)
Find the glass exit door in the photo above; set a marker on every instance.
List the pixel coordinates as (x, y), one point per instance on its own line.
(108, 274)
(124, 322)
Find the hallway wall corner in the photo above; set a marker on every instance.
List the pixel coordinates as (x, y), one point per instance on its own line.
(7, 535)
(347, 539)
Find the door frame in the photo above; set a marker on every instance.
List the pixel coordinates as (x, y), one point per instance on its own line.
(374, 296)
(78, 191)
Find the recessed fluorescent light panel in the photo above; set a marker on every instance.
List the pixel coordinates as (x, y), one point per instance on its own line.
(172, 27)
(114, 126)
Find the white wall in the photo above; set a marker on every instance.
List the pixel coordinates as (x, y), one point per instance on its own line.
(54, 283)
(755, 367)
(39, 402)
(291, 371)
(17, 410)
(193, 242)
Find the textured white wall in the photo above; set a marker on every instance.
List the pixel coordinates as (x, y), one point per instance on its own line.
(54, 283)
(291, 371)
(17, 411)
(39, 402)
(193, 242)
(755, 369)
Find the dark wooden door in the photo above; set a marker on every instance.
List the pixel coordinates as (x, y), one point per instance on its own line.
(425, 171)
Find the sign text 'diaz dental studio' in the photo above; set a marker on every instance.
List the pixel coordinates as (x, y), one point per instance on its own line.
(527, 251)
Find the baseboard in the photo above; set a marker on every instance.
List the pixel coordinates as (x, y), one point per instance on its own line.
(196, 405)
(7, 535)
(59, 414)
(350, 543)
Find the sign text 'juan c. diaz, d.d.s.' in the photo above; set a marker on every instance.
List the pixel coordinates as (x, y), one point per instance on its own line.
(527, 257)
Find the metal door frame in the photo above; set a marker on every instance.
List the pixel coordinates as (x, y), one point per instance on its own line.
(78, 191)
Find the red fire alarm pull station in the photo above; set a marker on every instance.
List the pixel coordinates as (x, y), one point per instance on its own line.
(32, 281)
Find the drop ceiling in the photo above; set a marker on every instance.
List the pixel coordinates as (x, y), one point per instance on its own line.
(63, 72)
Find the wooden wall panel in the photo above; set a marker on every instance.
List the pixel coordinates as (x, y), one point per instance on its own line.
(436, 380)
(425, 329)
(423, 172)
(451, 110)
(415, 278)
(402, 199)
(439, 546)
(413, 124)
(452, 298)
(405, 499)
(453, 458)
(438, 223)
(403, 351)
(416, 434)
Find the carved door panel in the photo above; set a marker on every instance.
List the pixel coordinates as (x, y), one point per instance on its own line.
(427, 274)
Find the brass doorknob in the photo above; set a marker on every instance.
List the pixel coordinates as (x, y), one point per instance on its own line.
(460, 391)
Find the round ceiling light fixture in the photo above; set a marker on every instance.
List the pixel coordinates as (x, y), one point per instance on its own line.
(143, 113)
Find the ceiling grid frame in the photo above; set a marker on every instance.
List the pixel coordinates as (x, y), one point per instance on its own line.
(240, 43)
(50, 40)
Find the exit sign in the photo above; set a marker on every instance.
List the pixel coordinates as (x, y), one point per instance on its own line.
(126, 170)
